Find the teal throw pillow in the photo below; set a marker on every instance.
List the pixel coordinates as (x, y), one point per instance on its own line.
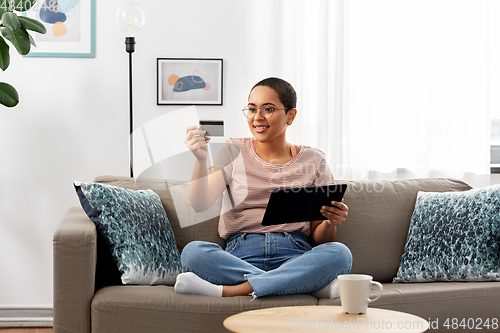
(137, 232)
(453, 236)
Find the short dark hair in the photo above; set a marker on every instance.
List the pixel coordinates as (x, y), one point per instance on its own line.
(285, 91)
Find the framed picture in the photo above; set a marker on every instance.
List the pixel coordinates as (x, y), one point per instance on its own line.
(189, 81)
(70, 28)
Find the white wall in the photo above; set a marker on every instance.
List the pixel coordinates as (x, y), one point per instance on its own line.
(72, 122)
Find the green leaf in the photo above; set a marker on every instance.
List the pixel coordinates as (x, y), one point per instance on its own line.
(23, 5)
(19, 38)
(32, 41)
(11, 21)
(2, 10)
(32, 24)
(8, 95)
(4, 54)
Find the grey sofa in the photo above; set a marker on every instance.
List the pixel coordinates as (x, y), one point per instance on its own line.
(87, 298)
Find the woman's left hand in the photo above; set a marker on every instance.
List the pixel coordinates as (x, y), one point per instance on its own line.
(335, 214)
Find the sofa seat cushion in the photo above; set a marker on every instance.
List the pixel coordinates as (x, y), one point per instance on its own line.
(154, 308)
(448, 299)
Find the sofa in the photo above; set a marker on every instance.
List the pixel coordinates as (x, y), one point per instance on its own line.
(88, 297)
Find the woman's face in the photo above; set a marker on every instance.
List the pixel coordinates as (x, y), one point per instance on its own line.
(267, 129)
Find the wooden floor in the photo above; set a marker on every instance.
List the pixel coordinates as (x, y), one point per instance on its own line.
(26, 330)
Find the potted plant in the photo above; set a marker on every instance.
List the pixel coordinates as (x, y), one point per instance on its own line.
(14, 28)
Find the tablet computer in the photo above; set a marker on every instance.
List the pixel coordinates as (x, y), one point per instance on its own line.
(300, 204)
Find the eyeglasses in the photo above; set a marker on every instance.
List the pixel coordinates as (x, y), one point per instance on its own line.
(266, 111)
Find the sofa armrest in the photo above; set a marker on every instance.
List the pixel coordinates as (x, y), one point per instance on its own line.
(75, 251)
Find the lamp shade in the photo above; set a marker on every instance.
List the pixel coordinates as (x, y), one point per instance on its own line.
(130, 18)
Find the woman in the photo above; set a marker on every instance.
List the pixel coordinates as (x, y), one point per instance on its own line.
(258, 260)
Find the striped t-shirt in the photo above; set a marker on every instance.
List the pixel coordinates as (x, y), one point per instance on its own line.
(252, 180)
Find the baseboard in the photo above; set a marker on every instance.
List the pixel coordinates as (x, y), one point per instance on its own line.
(26, 316)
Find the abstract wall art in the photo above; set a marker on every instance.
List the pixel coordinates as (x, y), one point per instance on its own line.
(70, 28)
(189, 81)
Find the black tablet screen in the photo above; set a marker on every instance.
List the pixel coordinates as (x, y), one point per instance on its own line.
(301, 204)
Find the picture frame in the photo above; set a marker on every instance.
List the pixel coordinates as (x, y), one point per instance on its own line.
(70, 29)
(189, 81)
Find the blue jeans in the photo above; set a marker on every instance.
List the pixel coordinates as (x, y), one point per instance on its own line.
(280, 263)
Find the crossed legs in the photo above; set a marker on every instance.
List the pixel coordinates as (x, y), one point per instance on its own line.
(212, 271)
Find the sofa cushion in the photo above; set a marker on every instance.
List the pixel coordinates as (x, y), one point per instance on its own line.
(137, 232)
(441, 300)
(379, 217)
(453, 237)
(120, 181)
(186, 223)
(160, 309)
(205, 231)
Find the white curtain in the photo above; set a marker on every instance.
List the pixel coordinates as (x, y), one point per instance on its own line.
(387, 89)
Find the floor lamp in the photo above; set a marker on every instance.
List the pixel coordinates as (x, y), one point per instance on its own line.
(130, 18)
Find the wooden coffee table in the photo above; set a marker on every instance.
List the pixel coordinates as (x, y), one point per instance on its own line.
(323, 318)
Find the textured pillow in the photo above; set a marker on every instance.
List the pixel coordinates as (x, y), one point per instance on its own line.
(137, 232)
(379, 217)
(453, 237)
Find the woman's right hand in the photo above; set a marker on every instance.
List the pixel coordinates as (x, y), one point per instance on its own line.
(196, 141)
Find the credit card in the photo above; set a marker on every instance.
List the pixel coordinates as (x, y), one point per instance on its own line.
(213, 127)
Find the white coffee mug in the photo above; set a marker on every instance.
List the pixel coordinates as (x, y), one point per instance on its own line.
(355, 292)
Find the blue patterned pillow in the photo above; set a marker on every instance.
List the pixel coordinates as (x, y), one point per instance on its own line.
(137, 231)
(453, 236)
